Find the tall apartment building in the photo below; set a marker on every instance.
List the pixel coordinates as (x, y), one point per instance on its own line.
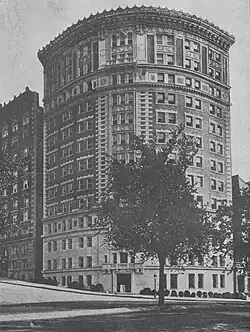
(21, 137)
(137, 70)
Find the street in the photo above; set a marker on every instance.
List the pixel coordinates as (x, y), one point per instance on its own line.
(229, 319)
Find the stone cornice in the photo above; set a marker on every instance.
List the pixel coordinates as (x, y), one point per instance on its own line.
(141, 18)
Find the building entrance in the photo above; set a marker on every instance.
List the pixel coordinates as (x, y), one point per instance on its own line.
(124, 282)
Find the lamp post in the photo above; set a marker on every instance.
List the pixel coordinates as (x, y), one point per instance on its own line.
(155, 277)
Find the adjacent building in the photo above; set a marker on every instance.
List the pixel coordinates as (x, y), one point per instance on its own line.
(137, 70)
(21, 137)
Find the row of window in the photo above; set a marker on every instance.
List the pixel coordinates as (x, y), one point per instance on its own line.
(15, 126)
(83, 203)
(14, 189)
(15, 264)
(82, 184)
(67, 263)
(23, 217)
(67, 244)
(14, 250)
(67, 280)
(69, 224)
(15, 204)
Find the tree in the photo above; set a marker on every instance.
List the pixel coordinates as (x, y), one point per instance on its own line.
(237, 216)
(149, 207)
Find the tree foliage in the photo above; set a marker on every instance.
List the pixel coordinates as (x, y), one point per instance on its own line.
(149, 207)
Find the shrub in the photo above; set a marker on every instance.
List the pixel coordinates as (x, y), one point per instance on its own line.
(99, 287)
(187, 293)
(93, 288)
(216, 295)
(227, 295)
(181, 294)
(174, 293)
(199, 293)
(211, 294)
(242, 296)
(219, 295)
(204, 294)
(166, 292)
(146, 291)
(192, 294)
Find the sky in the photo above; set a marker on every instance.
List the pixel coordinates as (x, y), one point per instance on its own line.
(28, 25)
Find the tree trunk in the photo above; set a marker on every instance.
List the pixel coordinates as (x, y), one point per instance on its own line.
(162, 259)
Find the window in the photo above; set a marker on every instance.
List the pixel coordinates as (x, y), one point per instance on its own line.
(200, 280)
(89, 280)
(213, 184)
(190, 179)
(161, 137)
(105, 259)
(54, 264)
(67, 170)
(122, 78)
(49, 264)
(196, 65)
(219, 130)
(214, 203)
(85, 144)
(222, 281)
(196, 47)
(66, 133)
(219, 112)
(160, 58)
(66, 115)
(189, 101)
(89, 261)
(170, 59)
(160, 97)
(80, 262)
(212, 165)
(189, 120)
(130, 77)
(70, 224)
(199, 181)
(188, 63)
(123, 257)
(197, 103)
(212, 146)
(172, 118)
(212, 127)
(64, 244)
(173, 281)
(14, 188)
(67, 188)
(130, 38)
(80, 279)
(219, 148)
(222, 261)
(114, 79)
(89, 241)
(215, 280)
(81, 242)
(197, 84)
(159, 40)
(171, 78)
(221, 186)
(187, 44)
(198, 123)
(15, 127)
(220, 167)
(171, 98)
(67, 151)
(49, 246)
(69, 243)
(198, 161)
(217, 75)
(199, 200)
(160, 78)
(212, 109)
(69, 279)
(218, 93)
(70, 263)
(85, 164)
(191, 280)
(161, 117)
(188, 81)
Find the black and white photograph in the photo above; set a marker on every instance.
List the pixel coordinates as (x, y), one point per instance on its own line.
(125, 165)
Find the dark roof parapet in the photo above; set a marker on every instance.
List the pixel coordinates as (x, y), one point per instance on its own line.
(204, 23)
